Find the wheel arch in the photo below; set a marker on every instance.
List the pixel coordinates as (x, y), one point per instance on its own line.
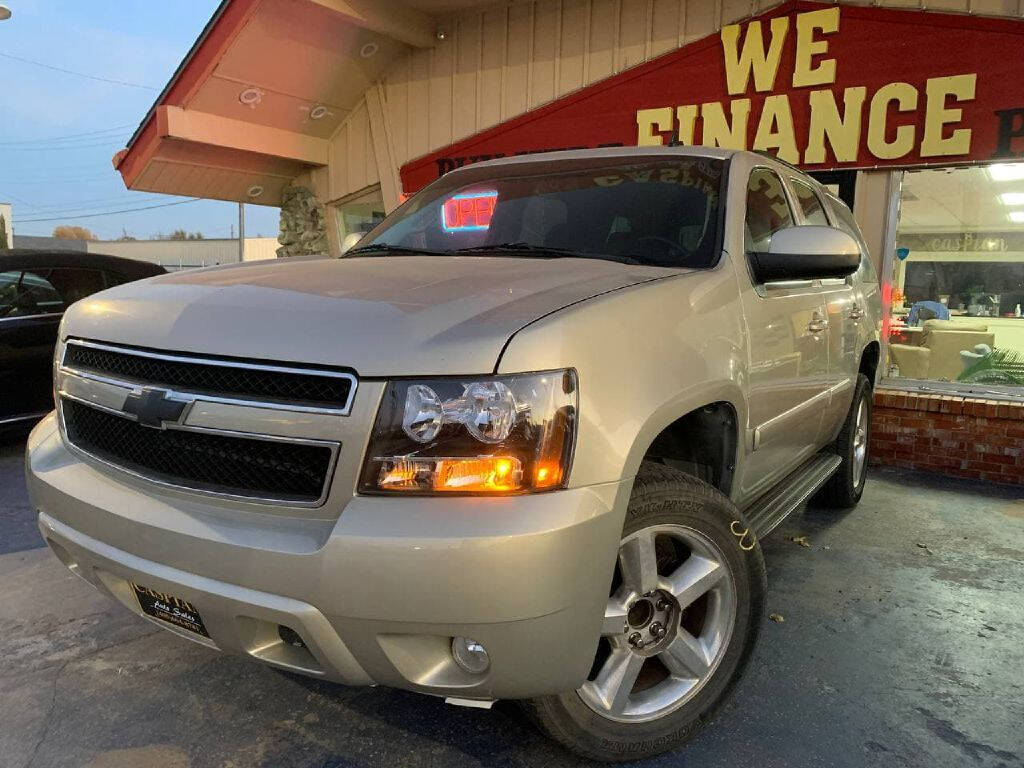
(869, 359)
(711, 422)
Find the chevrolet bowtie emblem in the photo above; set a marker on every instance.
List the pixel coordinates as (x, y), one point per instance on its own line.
(154, 407)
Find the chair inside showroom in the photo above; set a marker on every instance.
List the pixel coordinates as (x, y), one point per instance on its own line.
(927, 310)
(939, 355)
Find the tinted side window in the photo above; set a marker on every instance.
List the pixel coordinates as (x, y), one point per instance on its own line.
(113, 278)
(767, 210)
(74, 283)
(23, 294)
(810, 204)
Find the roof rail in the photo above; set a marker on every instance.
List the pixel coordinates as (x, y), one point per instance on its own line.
(764, 153)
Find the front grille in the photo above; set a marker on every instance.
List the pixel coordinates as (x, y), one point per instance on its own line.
(223, 378)
(241, 466)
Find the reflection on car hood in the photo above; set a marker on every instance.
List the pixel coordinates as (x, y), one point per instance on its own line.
(383, 316)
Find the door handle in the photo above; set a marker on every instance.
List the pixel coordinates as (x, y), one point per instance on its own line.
(856, 313)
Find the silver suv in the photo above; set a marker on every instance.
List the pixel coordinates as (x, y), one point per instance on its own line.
(520, 443)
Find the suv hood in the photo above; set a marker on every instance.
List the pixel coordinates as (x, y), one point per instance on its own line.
(382, 316)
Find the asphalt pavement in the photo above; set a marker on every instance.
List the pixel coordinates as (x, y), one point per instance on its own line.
(900, 645)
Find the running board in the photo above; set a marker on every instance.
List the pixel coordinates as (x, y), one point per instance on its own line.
(768, 512)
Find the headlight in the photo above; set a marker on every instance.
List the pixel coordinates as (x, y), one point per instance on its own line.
(58, 356)
(478, 435)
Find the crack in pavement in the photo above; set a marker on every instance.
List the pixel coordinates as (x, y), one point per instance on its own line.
(56, 679)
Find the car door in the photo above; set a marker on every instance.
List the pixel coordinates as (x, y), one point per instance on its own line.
(30, 312)
(787, 330)
(843, 312)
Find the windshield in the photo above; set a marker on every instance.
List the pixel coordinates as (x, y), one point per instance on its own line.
(661, 212)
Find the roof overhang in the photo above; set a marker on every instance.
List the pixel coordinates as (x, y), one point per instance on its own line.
(257, 98)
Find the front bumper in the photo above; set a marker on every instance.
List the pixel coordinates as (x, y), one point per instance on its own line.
(376, 594)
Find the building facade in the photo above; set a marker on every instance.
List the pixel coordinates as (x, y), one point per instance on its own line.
(913, 111)
(170, 254)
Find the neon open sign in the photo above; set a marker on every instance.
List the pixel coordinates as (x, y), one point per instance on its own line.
(469, 212)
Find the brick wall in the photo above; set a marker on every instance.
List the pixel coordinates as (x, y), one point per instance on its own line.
(950, 435)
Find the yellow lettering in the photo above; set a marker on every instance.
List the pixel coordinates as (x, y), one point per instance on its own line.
(717, 130)
(937, 115)
(804, 73)
(775, 129)
(752, 58)
(843, 131)
(647, 120)
(905, 97)
(687, 116)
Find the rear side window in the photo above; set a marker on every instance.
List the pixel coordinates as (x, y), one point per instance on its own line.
(74, 283)
(113, 278)
(768, 210)
(25, 294)
(810, 204)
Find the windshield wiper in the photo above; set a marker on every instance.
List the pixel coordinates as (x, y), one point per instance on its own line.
(543, 252)
(392, 250)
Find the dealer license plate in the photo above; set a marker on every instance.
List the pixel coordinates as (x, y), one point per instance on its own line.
(167, 607)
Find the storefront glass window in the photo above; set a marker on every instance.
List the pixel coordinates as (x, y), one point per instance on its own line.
(958, 278)
(360, 215)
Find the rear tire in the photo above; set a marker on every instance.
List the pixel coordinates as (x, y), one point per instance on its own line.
(846, 486)
(702, 581)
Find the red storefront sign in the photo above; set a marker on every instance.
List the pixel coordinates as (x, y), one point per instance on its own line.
(823, 87)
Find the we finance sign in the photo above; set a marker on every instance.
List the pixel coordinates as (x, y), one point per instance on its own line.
(822, 87)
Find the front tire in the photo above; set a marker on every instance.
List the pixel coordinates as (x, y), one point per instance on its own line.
(844, 489)
(681, 624)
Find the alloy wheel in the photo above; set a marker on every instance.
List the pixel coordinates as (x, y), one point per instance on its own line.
(860, 442)
(666, 627)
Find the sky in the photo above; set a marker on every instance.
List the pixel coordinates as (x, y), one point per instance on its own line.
(59, 131)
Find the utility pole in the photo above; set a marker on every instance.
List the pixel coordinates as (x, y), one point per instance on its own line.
(241, 232)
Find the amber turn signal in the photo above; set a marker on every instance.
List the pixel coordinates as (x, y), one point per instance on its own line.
(481, 474)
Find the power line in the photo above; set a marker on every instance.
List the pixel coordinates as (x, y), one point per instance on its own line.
(111, 176)
(68, 136)
(96, 202)
(79, 74)
(85, 208)
(106, 142)
(112, 213)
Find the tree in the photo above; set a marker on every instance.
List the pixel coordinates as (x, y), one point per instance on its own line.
(181, 234)
(3, 232)
(65, 232)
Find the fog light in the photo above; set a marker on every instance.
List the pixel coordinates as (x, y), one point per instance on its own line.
(470, 655)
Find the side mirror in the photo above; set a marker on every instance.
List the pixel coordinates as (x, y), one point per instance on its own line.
(350, 241)
(806, 253)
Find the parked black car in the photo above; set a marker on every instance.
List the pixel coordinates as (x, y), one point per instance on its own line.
(35, 289)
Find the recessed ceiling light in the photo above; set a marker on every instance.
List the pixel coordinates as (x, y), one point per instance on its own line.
(318, 112)
(369, 50)
(1012, 198)
(1016, 216)
(1006, 171)
(251, 96)
(255, 190)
